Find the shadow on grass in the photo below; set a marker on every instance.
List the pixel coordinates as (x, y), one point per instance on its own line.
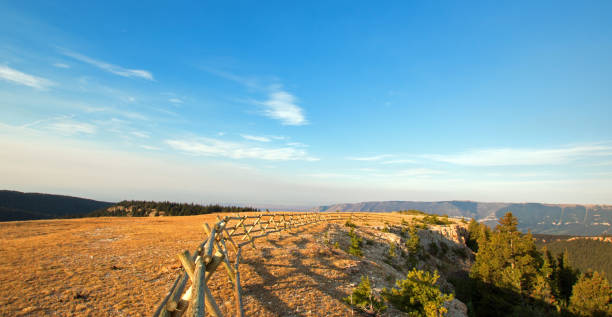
(301, 274)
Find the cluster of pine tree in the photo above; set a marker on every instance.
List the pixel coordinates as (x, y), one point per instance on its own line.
(510, 277)
(143, 208)
(584, 254)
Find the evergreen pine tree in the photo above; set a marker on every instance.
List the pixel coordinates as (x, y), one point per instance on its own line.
(418, 294)
(591, 296)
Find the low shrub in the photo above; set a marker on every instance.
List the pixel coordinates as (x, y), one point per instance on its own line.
(411, 212)
(364, 298)
(418, 295)
(434, 220)
(355, 247)
(392, 250)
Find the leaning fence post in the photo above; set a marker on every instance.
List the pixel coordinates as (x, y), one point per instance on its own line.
(226, 234)
(226, 263)
(247, 235)
(161, 310)
(222, 248)
(188, 264)
(208, 248)
(197, 307)
(238, 289)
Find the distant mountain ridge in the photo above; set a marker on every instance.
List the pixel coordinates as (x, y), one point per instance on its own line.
(570, 219)
(15, 205)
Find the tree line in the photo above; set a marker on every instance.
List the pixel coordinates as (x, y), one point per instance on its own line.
(139, 208)
(584, 254)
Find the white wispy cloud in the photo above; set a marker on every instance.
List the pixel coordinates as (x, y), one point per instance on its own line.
(419, 172)
(175, 100)
(369, 158)
(115, 69)
(523, 157)
(64, 125)
(333, 176)
(368, 169)
(70, 127)
(297, 144)
(21, 78)
(399, 162)
(40, 121)
(115, 111)
(149, 147)
(604, 163)
(114, 125)
(214, 147)
(249, 82)
(282, 106)
(61, 65)
(255, 138)
(140, 134)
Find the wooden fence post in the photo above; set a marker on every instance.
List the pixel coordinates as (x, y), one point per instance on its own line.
(238, 289)
(197, 307)
(220, 246)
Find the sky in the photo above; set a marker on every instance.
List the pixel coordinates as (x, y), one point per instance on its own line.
(308, 103)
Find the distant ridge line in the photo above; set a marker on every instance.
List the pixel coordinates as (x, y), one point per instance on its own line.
(573, 219)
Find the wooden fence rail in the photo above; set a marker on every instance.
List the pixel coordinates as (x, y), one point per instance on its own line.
(235, 231)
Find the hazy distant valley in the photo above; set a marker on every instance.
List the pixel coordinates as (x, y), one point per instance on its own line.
(540, 218)
(565, 219)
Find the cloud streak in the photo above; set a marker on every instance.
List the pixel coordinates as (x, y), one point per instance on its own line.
(255, 138)
(248, 82)
(114, 69)
(218, 148)
(70, 127)
(149, 147)
(399, 162)
(140, 134)
(369, 158)
(21, 78)
(419, 172)
(282, 106)
(524, 157)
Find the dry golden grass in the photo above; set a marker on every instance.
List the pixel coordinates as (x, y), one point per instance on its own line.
(124, 267)
(93, 266)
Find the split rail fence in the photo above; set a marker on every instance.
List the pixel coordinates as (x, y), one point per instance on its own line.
(235, 232)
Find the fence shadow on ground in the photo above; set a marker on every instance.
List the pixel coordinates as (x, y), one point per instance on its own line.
(223, 246)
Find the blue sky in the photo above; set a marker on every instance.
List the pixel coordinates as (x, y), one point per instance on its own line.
(308, 103)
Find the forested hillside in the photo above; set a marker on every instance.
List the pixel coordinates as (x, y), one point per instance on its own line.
(136, 208)
(584, 254)
(16, 205)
